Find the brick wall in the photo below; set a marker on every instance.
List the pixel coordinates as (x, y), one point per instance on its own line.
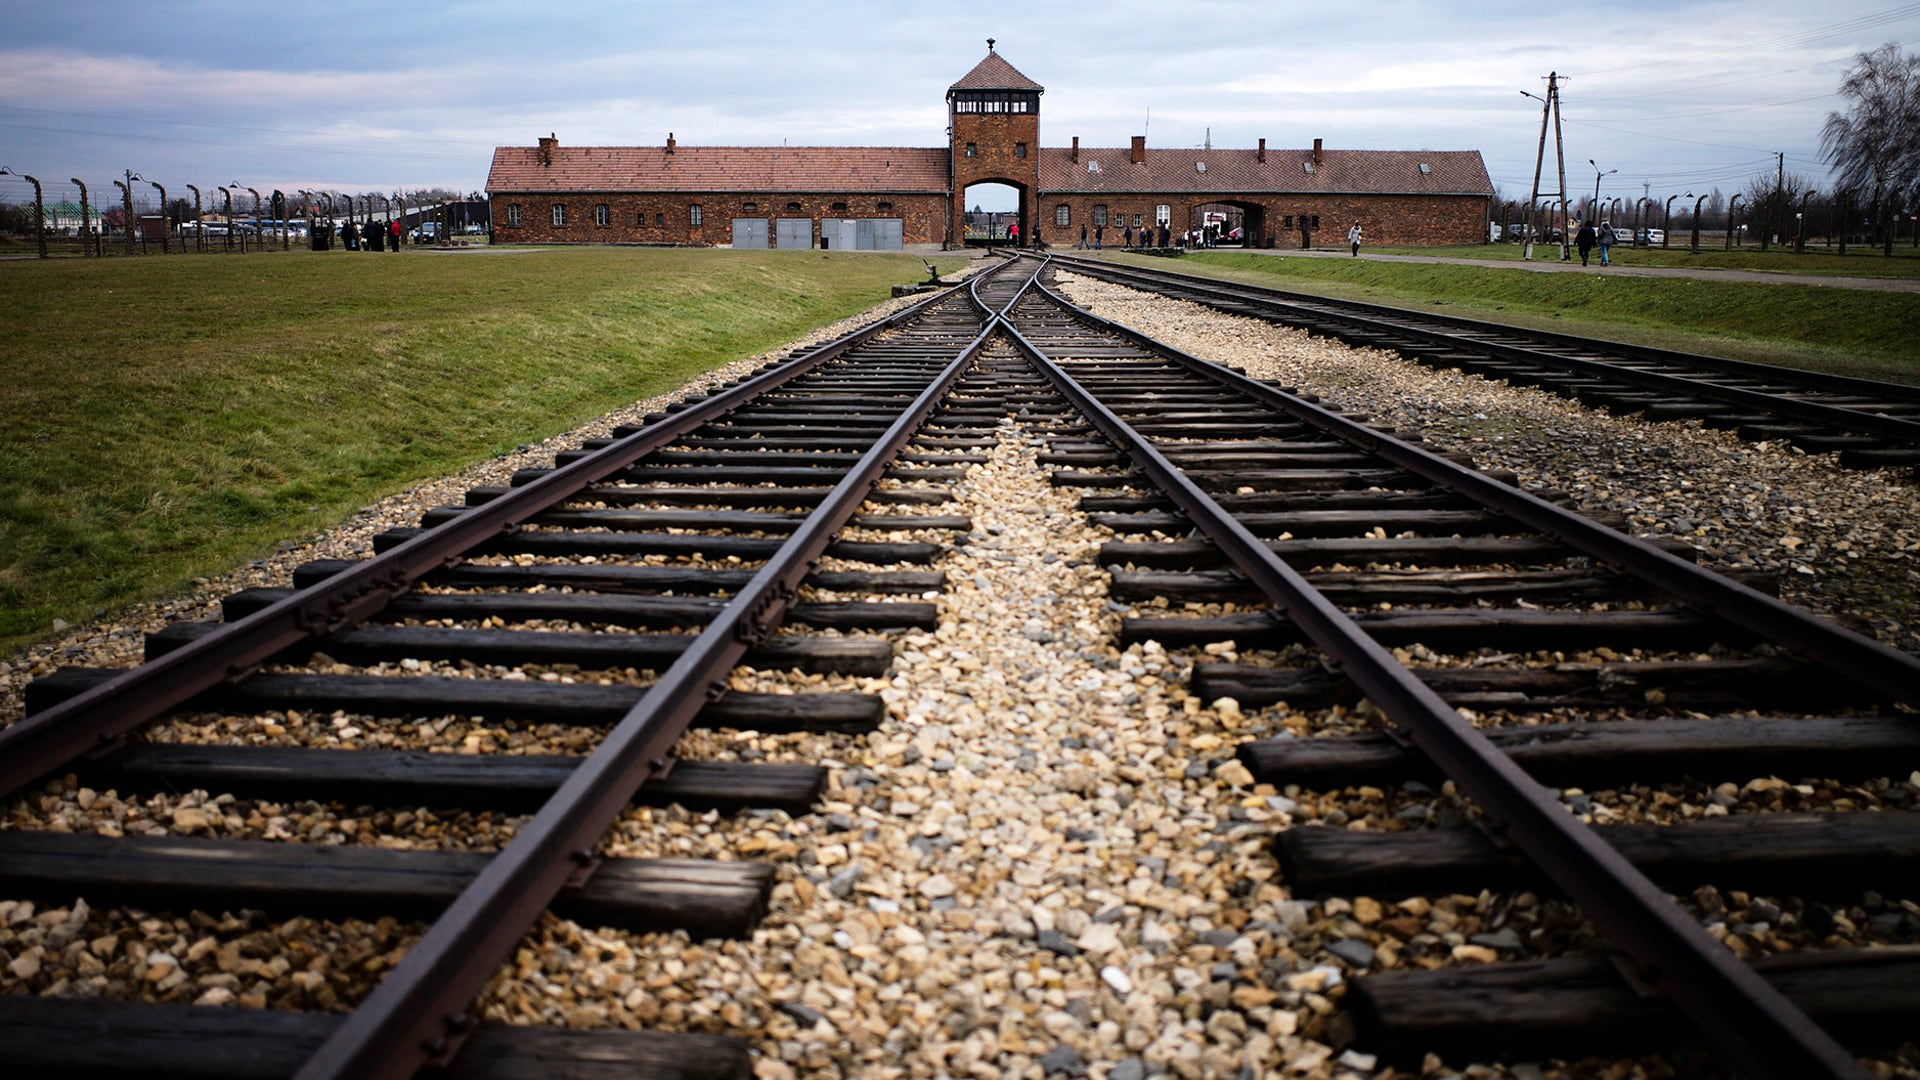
(666, 218)
(1398, 220)
(995, 137)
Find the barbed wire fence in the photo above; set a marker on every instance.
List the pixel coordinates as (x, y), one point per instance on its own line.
(46, 217)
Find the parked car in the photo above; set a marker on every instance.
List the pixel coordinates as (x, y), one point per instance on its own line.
(427, 233)
(1653, 237)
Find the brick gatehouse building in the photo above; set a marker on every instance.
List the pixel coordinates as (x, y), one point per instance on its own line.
(880, 197)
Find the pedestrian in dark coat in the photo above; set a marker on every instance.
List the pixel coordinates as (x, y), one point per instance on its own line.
(1584, 240)
(350, 235)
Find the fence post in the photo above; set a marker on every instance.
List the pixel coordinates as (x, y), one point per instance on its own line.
(86, 230)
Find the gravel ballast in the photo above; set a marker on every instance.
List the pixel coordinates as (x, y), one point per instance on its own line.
(1047, 861)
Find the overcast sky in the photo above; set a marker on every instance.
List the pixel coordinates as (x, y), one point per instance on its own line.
(1674, 94)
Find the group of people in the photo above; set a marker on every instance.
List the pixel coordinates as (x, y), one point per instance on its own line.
(1129, 237)
(373, 236)
(1589, 237)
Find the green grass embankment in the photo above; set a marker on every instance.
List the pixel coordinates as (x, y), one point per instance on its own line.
(1863, 333)
(165, 418)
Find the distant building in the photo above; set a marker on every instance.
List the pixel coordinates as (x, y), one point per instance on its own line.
(884, 197)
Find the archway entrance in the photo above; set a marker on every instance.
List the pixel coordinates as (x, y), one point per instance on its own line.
(991, 208)
(1227, 224)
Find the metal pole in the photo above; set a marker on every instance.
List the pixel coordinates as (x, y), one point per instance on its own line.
(166, 247)
(227, 193)
(199, 223)
(86, 228)
(39, 210)
(1668, 227)
(281, 214)
(1696, 223)
(1732, 204)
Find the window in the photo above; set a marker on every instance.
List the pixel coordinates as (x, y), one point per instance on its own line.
(972, 150)
(749, 208)
(1100, 216)
(841, 208)
(1093, 166)
(1136, 221)
(601, 214)
(1316, 221)
(1020, 150)
(659, 219)
(1287, 222)
(559, 214)
(1163, 214)
(693, 214)
(1061, 215)
(884, 206)
(793, 208)
(513, 215)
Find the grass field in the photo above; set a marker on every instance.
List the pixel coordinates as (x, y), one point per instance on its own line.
(165, 418)
(1867, 334)
(1866, 262)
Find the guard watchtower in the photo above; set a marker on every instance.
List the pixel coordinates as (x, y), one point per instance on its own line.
(993, 125)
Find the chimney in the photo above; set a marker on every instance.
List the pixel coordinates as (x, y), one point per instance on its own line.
(1139, 149)
(670, 142)
(1262, 155)
(546, 149)
(1316, 151)
(1074, 154)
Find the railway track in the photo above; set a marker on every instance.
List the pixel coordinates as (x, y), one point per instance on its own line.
(630, 579)
(1406, 582)
(1869, 424)
(1423, 613)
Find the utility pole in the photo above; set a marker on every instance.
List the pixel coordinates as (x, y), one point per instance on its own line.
(1549, 107)
(1780, 191)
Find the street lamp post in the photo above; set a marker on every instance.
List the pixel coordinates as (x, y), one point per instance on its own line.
(39, 210)
(86, 228)
(1696, 223)
(1732, 204)
(1668, 227)
(166, 246)
(1597, 176)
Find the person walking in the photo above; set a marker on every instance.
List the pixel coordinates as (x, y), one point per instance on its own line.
(1083, 238)
(393, 234)
(1013, 234)
(1353, 239)
(1606, 238)
(1098, 232)
(1584, 240)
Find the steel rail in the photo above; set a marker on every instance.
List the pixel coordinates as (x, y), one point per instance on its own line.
(1833, 416)
(100, 717)
(1756, 1023)
(419, 1012)
(1886, 670)
(1820, 380)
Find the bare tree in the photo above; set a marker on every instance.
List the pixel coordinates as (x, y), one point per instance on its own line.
(1875, 145)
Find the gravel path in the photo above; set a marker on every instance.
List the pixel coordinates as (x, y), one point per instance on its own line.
(1045, 862)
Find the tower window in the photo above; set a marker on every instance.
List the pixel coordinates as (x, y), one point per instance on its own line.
(1020, 150)
(972, 150)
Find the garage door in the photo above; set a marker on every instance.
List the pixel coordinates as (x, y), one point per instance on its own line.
(878, 234)
(840, 234)
(793, 233)
(750, 232)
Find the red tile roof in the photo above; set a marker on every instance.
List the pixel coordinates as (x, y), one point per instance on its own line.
(721, 168)
(994, 73)
(1390, 172)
